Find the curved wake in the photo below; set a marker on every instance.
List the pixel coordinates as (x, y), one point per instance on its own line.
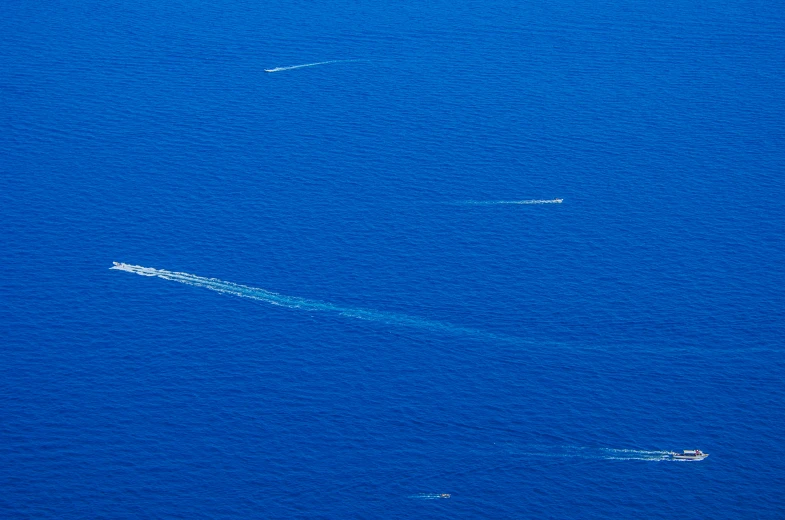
(292, 67)
(294, 302)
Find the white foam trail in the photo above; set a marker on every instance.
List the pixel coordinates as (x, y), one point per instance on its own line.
(292, 67)
(531, 201)
(429, 496)
(294, 302)
(597, 453)
(653, 455)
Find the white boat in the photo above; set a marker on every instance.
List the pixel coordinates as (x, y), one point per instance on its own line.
(688, 455)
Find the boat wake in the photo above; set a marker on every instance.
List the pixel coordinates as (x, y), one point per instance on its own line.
(651, 455)
(292, 67)
(430, 496)
(294, 302)
(575, 452)
(531, 201)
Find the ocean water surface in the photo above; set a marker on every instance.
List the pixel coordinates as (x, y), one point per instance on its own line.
(510, 253)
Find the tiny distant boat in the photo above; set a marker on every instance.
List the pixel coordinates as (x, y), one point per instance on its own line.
(558, 201)
(444, 495)
(688, 455)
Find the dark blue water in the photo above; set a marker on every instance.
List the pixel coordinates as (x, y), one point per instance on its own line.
(531, 360)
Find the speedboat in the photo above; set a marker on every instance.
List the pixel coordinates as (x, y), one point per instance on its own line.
(688, 455)
(444, 495)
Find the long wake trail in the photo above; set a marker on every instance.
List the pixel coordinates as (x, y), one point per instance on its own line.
(577, 452)
(524, 202)
(294, 302)
(292, 67)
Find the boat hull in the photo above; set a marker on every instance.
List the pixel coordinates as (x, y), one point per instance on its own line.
(679, 456)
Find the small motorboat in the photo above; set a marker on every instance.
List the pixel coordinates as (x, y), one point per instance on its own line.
(688, 455)
(444, 495)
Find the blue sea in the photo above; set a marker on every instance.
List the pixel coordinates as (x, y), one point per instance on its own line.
(513, 253)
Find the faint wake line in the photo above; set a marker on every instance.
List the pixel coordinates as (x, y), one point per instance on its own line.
(598, 453)
(292, 67)
(294, 302)
(532, 201)
(653, 455)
